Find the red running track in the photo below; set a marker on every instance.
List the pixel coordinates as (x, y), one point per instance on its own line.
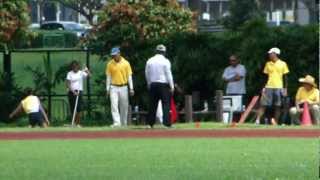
(117, 134)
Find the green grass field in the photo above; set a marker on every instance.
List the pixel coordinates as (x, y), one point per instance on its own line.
(150, 159)
(203, 125)
(160, 159)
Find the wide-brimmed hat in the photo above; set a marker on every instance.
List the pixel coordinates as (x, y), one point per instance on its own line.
(308, 80)
(274, 50)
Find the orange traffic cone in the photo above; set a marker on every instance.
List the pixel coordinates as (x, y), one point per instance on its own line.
(197, 124)
(233, 124)
(306, 118)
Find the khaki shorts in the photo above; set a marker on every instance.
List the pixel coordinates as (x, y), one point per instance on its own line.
(271, 97)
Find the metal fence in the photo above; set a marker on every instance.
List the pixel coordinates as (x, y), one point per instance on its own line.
(96, 107)
(55, 100)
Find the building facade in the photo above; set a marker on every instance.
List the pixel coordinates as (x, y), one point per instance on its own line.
(46, 10)
(209, 11)
(291, 11)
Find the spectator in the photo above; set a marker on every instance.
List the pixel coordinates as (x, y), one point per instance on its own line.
(276, 86)
(234, 76)
(309, 93)
(74, 82)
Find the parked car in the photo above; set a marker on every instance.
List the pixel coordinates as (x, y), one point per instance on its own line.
(77, 28)
(34, 26)
(282, 23)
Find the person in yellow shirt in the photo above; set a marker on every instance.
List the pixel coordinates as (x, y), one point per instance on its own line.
(309, 93)
(118, 80)
(31, 105)
(276, 86)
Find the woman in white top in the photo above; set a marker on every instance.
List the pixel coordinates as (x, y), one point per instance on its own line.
(74, 82)
(31, 105)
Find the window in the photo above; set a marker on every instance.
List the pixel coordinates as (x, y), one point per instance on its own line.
(213, 10)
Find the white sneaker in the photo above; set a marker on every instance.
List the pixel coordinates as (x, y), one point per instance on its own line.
(169, 127)
(115, 126)
(79, 126)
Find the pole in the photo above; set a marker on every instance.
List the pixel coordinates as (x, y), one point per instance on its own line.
(219, 105)
(7, 69)
(49, 89)
(75, 110)
(7, 62)
(188, 108)
(88, 83)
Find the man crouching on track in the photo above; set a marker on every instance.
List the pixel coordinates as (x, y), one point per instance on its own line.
(31, 105)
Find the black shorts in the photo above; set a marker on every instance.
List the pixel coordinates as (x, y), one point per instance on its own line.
(35, 119)
(72, 101)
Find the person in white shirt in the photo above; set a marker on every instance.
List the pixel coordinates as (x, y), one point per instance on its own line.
(74, 82)
(235, 75)
(160, 84)
(32, 106)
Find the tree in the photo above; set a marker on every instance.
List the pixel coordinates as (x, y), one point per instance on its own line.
(241, 12)
(9, 96)
(137, 26)
(86, 8)
(123, 22)
(14, 19)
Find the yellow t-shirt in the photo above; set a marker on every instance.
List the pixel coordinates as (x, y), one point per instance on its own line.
(275, 72)
(309, 96)
(31, 104)
(119, 71)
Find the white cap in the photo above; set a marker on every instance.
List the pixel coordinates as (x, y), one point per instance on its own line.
(274, 50)
(161, 47)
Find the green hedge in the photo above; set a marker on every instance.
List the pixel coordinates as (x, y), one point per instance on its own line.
(9, 96)
(54, 39)
(198, 59)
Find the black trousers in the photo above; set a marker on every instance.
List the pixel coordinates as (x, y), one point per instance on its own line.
(159, 91)
(72, 101)
(35, 118)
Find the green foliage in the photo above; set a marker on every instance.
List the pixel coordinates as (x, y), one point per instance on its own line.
(199, 59)
(240, 13)
(58, 39)
(9, 96)
(127, 23)
(299, 46)
(14, 19)
(137, 26)
(44, 79)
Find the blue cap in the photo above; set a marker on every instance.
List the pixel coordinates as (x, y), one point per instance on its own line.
(115, 51)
